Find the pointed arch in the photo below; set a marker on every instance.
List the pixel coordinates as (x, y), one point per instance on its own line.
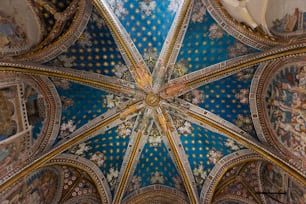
(90, 168)
(221, 168)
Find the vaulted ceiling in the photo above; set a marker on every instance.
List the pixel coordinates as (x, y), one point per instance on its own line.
(172, 101)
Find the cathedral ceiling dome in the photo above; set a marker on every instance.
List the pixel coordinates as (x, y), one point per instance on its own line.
(152, 101)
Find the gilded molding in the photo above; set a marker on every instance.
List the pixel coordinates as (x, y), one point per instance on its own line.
(218, 71)
(105, 83)
(137, 141)
(172, 45)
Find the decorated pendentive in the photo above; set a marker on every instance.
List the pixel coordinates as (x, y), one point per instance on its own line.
(278, 105)
(17, 33)
(260, 23)
(39, 30)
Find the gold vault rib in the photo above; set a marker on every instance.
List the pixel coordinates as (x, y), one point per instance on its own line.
(131, 156)
(248, 63)
(99, 5)
(188, 82)
(168, 48)
(163, 125)
(125, 176)
(183, 13)
(138, 71)
(57, 150)
(77, 78)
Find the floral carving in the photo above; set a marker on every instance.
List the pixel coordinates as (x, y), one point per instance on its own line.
(214, 156)
(125, 128)
(98, 158)
(67, 129)
(147, 6)
(243, 96)
(233, 145)
(198, 12)
(195, 96)
(112, 177)
(118, 7)
(215, 32)
(154, 139)
(174, 5)
(157, 177)
(199, 174)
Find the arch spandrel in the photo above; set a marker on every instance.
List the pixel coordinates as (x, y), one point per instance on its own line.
(278, 108)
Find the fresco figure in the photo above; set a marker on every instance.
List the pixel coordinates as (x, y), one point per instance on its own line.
(11, 35)
(8, 155)
(287, 108)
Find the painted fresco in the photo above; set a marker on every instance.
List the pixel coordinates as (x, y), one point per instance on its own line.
(8, 125)
(11, 34)
(40, 188)
(275, 180)
(290, 22)
(11, 155)
(286, 105)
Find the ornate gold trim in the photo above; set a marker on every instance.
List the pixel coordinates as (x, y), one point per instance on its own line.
(182, 16)
(112, 25)
(127, 170)
(60, 75)
(181, 168)
(248, 63)
(161, 118)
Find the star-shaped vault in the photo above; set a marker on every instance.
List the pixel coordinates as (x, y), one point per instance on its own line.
(156, 93)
